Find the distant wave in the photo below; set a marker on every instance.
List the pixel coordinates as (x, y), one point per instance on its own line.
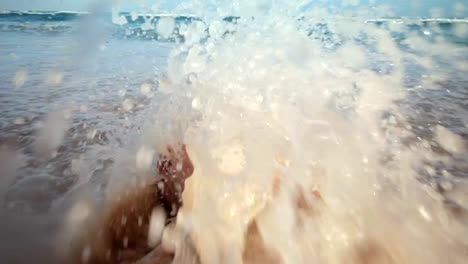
(24, 16)
(44, 12)
(32, 16)
(133, 16)
(133, 25)
(63, 21)
(416, 20)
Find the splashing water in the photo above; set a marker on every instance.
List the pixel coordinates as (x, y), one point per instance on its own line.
(278, 101)
(310, 132)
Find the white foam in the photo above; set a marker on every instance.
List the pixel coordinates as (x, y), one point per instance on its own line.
(291, 131)
(237, 139)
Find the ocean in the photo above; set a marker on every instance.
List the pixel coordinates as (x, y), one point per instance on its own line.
(80, 92)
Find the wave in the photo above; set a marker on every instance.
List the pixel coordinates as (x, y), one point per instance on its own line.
(33, 16)
(133, 17)
(134, 26)
(418, 20)
(142, 26)
(44, 12)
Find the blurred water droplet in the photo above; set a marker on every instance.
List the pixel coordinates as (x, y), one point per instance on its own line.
(122, 92)
(146, 89)
(165, 26)
(19, 121)
(196, 103)
(91, 134)
(144, 158)
(86, 254)
(51, 135)
(156, 226)
(450, 141)
(128, 105)
(423, 212)
(20, 78)
(55, 78)
(83, 108)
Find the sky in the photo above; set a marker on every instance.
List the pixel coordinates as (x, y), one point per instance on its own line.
(420, 8)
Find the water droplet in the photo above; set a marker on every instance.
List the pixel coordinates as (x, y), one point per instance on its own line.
(156, 226)
(128, 105)
(19, 121)
(196, 103)
(146, 89)
(144, 158)
(54, 78)
(86, 254)
(165, 26)
(423, 212)
(20, 78)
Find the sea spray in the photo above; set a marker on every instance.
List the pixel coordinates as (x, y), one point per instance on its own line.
(267, 99)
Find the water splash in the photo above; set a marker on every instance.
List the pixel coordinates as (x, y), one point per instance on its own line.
(272, 102)
(310, 128)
